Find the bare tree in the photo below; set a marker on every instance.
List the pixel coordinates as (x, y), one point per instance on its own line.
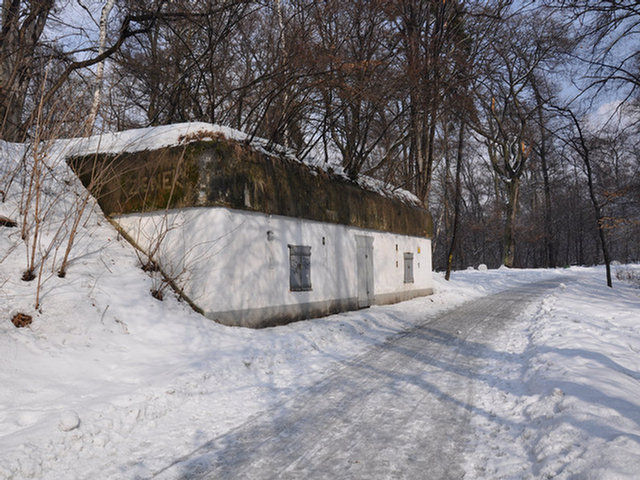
(102, 43)
(583, 147)
(611, 30)
(23, 23)
(431, 34)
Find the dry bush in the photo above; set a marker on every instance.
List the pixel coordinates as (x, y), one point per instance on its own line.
(21, 320)
(50, 204)
(629, 275)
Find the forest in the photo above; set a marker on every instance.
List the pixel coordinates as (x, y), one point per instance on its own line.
(514, 122)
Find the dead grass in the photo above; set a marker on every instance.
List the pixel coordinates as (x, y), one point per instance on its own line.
(21, 320)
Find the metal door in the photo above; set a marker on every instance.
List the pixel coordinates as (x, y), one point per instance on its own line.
(364, 267)
(408, 267)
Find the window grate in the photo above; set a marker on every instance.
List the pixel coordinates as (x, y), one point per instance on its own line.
(299, 268)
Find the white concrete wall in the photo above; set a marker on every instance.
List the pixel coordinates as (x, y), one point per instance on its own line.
(224, 260)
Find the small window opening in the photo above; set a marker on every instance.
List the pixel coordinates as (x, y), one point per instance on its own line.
(323, 240)
(408, 267)
(299, 268)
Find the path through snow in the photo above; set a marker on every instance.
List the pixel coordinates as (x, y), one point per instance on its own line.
(401, 410)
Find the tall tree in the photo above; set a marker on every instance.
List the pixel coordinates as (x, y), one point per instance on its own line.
(23, 22)
(430, 34)
(583, 147)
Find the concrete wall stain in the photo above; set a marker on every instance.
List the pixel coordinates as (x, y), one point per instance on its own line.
(226, 173)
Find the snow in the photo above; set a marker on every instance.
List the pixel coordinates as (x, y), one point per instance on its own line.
(69, 421)
(568, 385)
(108, 382)
(152, 138)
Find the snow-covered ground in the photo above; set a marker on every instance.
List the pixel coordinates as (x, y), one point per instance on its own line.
(568, 402)
(108, 382)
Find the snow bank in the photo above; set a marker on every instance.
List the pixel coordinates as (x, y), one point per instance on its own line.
(567, 403)
(149, 381)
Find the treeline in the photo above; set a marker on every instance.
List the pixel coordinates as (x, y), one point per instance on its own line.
(515, 123)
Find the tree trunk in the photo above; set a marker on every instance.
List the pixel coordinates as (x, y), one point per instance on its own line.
(550, 247)
(97, 92)
(19, 38)
(429, 160)
(456, 204)
(583, 150)
(509, 252)
(598, 212)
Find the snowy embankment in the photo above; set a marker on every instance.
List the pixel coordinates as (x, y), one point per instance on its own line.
(108, 382)
(568, 401)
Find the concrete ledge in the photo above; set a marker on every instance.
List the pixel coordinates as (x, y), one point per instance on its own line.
(395, 297)
(283, 314)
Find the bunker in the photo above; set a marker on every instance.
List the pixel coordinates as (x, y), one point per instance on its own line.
(252, 236)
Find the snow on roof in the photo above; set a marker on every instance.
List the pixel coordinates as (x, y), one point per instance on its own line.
(153, 138)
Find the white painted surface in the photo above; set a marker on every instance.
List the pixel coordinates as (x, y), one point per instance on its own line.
(225, 261)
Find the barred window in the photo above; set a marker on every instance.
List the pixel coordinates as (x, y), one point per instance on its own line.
(299, 268)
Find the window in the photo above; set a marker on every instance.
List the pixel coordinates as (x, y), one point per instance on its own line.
(299, 268)
(408, 267)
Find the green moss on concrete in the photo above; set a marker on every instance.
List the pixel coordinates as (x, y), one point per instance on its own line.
(226, 173)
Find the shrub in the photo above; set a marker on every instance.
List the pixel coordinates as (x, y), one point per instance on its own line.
(629, 275)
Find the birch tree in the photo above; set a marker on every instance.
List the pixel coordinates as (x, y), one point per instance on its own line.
(102, 44)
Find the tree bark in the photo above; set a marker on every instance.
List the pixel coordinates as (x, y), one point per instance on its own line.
(456, 205)
(550, 247)
(509, 252)
(22, 26)
(598, 212)
(583, 151)
(97, 92)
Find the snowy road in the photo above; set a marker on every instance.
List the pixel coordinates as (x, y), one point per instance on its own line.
(401, 410)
